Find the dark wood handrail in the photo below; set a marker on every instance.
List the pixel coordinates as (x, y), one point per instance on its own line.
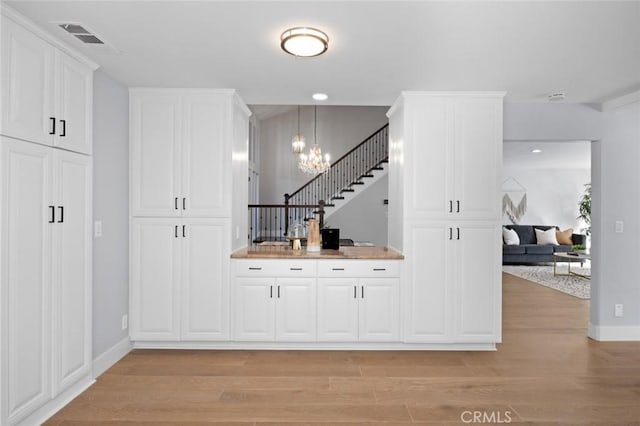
(339, 160)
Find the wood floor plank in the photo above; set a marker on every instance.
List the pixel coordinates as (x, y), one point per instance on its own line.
(546, 371)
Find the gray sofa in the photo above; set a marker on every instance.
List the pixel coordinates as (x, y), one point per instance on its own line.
(528, 251)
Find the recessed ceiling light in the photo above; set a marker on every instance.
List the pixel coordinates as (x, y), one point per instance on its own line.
(320, 96)
(304, 41)
(536, 151)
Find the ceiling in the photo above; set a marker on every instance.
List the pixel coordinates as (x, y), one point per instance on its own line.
(554, 155)
(590, 50)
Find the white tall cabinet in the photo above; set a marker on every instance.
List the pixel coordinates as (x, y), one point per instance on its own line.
(444, 214)
(186, 146)
(45, 222)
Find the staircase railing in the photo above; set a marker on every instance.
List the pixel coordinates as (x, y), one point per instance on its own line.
(270, 222)
(347, 171)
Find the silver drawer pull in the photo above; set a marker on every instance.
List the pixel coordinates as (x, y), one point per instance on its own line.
(295, 269)
(379, 269)
(255, 269)
(337, 269)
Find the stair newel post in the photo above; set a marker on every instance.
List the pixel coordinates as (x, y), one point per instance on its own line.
(286, 214)
(321, 212)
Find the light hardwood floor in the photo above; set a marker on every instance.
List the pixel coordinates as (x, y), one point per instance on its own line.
(546, 372)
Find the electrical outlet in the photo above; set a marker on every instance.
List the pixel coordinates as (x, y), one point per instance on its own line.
(618, 310)
(125, 321)
(97, 228)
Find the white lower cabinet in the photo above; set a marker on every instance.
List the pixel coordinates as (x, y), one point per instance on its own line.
(453, 283)
(179, 279)
(275, 309)
(45, 275)
(354, 307)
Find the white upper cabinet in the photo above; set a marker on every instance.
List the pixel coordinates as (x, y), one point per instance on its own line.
(27, 84)
(452, 151)
(155, 154)
(46, 94)
(181, 153)
(73, 103)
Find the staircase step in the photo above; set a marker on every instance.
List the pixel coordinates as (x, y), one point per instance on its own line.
(337, 198)
(357, 183)
(378, 168)
(384, 161)
(347, 190)
(367, 176)
(329, 205)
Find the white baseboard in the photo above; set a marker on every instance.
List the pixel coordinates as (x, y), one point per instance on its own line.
(56, 404)
(112, 355)
(314, 346)
(608, 333)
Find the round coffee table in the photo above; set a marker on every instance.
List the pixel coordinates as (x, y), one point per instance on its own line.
(570, 257)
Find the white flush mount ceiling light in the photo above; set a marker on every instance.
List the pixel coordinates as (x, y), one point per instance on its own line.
(320, 96)
(536, 151)
(304, 41)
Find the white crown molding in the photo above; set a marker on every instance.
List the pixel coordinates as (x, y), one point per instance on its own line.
(23, 21)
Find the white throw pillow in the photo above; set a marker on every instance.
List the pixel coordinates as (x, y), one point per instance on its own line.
(546, 237)
(510, 237)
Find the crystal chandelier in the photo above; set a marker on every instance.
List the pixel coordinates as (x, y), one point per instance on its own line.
(313, 163)
(297, 143)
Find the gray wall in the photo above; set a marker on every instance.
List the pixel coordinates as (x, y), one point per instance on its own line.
(339, 129)
(616, 190)
(552, 195)
(364, 218)
(111, 206)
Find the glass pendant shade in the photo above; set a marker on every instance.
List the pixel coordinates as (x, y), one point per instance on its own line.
(298, 142)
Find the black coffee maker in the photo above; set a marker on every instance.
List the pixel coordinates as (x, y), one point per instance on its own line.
(330, 238)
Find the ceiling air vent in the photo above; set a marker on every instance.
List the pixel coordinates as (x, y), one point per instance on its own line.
(82, 34)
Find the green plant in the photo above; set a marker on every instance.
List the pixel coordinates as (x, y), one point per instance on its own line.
(584, 207)
(578, 247)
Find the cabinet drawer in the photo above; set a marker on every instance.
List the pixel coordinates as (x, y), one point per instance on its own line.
(359, 268)
(274, 268)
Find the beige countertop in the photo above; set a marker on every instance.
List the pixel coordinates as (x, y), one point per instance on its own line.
(285, 252)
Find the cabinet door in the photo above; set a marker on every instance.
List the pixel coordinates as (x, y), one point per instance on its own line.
(478, 283)
(296, 309)
(337, 309)
(205, 279)
(206, 155)
(478, 157)
(379, 310)
(71, 259)
(255, 309)
(428, 295)
(27, 90)
(25, 269)
(155, 275)
(155, 154)
(73, 98)
(428, 159)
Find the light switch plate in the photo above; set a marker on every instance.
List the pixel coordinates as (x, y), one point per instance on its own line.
(618, 310)
(619, 226)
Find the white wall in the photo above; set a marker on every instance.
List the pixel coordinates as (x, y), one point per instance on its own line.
(339, 129)
(364, 218)
(111, 206)
(616, 197)
(552, 195)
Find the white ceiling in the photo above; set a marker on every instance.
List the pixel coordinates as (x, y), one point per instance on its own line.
(590, 50)
(554, 155)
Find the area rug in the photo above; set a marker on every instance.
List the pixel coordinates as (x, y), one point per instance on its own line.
(543, 275)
